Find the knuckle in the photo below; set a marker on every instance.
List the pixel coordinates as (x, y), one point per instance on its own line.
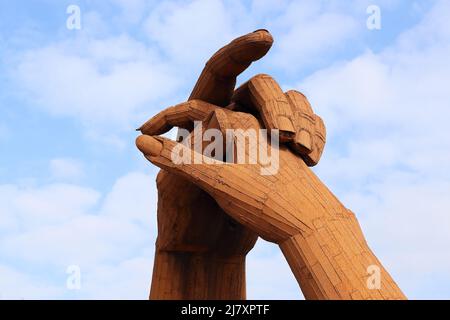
(261, 76)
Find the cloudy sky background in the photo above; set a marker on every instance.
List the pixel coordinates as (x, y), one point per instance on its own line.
(75, 191)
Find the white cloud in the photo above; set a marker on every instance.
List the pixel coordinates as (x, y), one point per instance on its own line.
(61, 225)
(66, 169)
(190, 32)
(27, 208)
(311, 30)
(129, 279)
(85, 240)
(129, 195)
(132, 10)
(104, 83)
(16, 285)
(112, 82)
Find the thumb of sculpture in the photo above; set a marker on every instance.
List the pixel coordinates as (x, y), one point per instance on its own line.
(149, 146)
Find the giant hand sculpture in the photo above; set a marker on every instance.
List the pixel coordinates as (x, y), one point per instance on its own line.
(211, 213)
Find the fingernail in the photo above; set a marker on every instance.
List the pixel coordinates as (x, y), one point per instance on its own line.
(142, 127)
(149, 145)
(265, 30)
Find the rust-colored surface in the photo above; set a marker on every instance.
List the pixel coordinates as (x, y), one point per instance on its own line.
(210, 215)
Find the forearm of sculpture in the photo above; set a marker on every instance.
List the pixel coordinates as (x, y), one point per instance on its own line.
(326, 274)
(178, 275)
(333, 260)
(193, 257)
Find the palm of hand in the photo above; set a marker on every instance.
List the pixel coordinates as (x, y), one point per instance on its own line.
(190, 220)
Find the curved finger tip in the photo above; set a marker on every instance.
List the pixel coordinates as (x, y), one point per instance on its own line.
(261, 40)
(149, 145)
(264, 36)
(252, 46)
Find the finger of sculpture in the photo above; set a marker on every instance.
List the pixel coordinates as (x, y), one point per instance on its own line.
(181, 115)
(304, 120)
(158, 150)
(319, 140)
(218, 79)
(263, 94)
(149, 146)
(310, 134)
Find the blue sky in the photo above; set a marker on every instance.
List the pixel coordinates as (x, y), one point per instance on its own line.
(75, 191)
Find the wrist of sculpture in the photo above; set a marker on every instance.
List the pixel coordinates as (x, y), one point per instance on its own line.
(199, 276)
(335, 262)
